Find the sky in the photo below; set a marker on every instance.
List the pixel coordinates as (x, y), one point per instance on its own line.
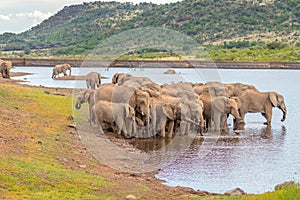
(20, 15)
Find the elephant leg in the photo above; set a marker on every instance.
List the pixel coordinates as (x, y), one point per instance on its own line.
(170, 128)
(241, 124)
(187, 128)
(119, 124)
(216, 121)
(268, 116)
(163, 132)
(101, 132)
(224, 123)
(65, 72)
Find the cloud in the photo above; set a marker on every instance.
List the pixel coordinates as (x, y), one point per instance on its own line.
(4, 17)
(35, 15)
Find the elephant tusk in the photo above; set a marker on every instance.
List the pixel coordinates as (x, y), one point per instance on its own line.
(78, 106)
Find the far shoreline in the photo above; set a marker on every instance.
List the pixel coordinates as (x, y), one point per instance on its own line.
(105, 63)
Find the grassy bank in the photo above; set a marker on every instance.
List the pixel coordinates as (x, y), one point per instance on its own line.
(38, 156)
(42, 158)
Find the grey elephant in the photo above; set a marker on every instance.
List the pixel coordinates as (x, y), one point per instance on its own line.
(93, 80)
(161, 116)
(191, 112)
(62, 68)
(5, 67)
(89, 97)
(137, 99)
(221, 107)
(261, 102)
(118, 78)
(119, 116)
(235, 89)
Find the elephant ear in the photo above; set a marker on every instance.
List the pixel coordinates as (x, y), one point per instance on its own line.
(87, 95)
(115, 78)
(129, 111)
(169, 111)
(273, 99)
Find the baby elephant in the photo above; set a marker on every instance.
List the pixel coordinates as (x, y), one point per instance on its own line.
(93, 80)
(121, 115)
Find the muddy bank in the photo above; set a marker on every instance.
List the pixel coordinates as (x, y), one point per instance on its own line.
(152, 63)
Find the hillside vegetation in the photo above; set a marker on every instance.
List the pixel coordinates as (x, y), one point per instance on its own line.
(215, 24)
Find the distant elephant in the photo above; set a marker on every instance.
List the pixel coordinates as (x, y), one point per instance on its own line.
(263, 102)
(62, 68)
(222, 106)
(93, 80)
(87, 96)
(5, 67)
(119, 115)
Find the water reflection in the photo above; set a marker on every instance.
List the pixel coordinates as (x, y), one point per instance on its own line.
(249, 157)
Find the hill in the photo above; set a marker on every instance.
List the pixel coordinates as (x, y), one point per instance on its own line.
(77, 29)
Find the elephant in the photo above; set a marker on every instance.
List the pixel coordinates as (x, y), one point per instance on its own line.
(118, 78)
(213, 111)
(87, 96)
(119, 115)
(216, 88)
(136, 98)
(206, 100)
(105, 92)
(134, 79)
(93, 80)
(261, 102)
(5, 67)
(222, 106)
(62, 68)
(161, 115)
(191, 113)
(213, 88)
(235, 89)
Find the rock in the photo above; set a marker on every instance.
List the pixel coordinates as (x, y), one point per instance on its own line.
(72, 126)
(284, 185)
(170, 71)
(70, 117)
(82, 166)
(236, 191)
(130, 196)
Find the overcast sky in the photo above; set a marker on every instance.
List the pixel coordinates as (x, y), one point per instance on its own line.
(20, 15)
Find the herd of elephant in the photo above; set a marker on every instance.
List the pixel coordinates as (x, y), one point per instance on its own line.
(137, 107)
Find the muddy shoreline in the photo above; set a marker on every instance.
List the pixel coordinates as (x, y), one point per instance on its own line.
(50, 62)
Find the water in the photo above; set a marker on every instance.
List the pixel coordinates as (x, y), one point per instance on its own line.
(255, 160)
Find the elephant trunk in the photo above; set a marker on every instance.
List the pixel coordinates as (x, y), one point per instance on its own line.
(195, 123)
(283, 109)
(78, 104)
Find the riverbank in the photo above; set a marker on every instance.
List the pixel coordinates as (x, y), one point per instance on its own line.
(50, 62)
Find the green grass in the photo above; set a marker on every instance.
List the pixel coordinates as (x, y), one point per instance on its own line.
(42, 179)
(29, 170)
(256, 54)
